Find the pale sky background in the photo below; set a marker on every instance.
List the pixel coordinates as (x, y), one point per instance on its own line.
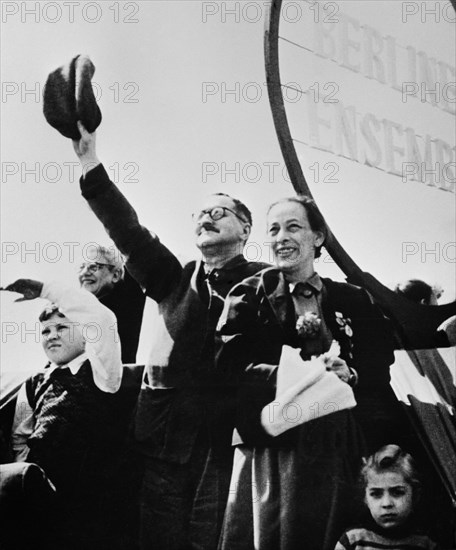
(160, 128)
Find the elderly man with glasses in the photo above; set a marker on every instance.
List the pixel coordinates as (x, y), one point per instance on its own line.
(103, 274)
(184, 419)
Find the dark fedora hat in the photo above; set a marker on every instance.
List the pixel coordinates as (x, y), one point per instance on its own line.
(68, 97)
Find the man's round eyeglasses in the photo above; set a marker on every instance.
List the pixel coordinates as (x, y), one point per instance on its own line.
(216, 213)
(93, 267)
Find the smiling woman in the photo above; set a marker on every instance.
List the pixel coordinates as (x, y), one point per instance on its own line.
(299, 485)
(98, 278)
(104, 275)
(105, 269)
(296, 238)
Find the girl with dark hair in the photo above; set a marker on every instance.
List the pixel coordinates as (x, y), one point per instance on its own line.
(391, 488)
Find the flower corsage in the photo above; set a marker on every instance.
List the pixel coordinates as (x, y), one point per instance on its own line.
(308, 325)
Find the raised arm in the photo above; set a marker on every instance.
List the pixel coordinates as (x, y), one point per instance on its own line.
(155, 268)
(97, 323)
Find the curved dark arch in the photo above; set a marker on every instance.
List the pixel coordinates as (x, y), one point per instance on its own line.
(415, 324)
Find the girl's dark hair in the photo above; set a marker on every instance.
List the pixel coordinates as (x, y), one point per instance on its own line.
(316, 220)
(391, 458)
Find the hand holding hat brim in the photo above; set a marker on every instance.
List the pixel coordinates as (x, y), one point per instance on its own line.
(69, 97)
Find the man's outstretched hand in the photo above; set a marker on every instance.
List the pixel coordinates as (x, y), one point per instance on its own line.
(85, 149)
(29, 288)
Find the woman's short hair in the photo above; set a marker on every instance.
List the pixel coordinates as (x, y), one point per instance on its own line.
(112, 256)
(391, 458)
(316, 220)
(415, 290)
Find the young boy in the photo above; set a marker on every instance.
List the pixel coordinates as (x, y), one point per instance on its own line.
(65, 414)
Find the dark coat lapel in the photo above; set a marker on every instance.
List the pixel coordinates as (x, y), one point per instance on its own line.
(280, 300)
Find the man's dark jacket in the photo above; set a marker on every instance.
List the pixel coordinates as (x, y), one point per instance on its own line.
(126, 300)
(181, 393)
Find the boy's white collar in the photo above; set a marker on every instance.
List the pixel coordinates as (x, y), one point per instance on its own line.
(74, 365)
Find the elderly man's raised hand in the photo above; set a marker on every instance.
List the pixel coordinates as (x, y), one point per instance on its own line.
(85, 149)
(29, 289)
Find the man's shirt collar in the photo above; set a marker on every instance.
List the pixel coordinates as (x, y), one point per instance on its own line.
(218, 272)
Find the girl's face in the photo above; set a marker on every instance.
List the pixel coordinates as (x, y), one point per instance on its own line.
(389, 498)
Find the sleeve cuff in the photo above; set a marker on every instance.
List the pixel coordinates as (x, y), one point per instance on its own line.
(51, 289)
(353, 380)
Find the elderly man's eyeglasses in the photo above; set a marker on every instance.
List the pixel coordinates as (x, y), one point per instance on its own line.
(216, 213)
(93, 267)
